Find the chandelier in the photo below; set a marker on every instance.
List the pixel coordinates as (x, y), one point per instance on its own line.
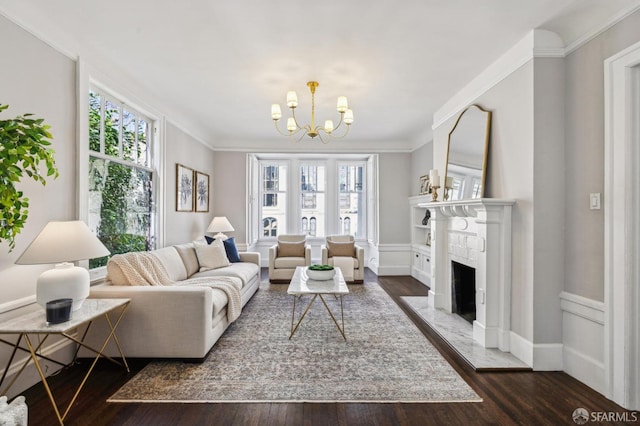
(293, 128)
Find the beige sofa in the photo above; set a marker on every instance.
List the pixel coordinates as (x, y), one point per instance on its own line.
(178, 321)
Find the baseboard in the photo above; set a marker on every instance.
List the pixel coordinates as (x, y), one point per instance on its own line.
(521, 348)
(394, 270)
(540, 356)
(584, 368)
(547, 356)
(583, 358)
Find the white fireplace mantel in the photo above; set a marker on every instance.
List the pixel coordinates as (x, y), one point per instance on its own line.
(476, 233)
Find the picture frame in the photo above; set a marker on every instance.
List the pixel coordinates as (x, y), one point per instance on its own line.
(425, 187)
(184, 188)
(201, 192)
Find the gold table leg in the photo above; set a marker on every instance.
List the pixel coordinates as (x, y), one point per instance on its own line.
(33, 351)
(335, 321)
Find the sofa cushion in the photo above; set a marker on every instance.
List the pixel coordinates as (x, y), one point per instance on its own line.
(231, 249)
(286, 249)
(189, 257)
(243, 270)
(340, 249)
(288, 262)
(172, 262)
(211, 256)
(356, 264)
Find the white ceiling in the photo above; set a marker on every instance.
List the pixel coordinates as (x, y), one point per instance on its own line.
(217, 66)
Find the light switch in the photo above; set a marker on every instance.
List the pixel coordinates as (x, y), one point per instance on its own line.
(594, 201)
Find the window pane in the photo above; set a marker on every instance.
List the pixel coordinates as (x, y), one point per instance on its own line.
(111, 128)
(274, 199)
(128, 136)
(120, 207)
(350, 178)
(143, 152)
(94, 121)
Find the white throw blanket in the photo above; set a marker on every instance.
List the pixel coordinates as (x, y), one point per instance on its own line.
(145, 268)
(346, 266)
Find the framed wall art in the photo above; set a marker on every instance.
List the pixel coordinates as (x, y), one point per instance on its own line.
(184, 188)
(425, 187)
(202, 192)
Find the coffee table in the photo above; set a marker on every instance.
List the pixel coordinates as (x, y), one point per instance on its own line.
(302, 285)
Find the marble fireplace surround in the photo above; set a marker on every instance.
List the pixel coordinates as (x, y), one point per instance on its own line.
(476, 233)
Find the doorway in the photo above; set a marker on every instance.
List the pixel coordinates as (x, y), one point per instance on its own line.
(622, 227)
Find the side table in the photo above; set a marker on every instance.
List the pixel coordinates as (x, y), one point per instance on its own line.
(34, 323)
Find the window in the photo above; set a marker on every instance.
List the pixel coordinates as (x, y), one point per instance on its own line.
(121, 176)
(312, 194)
(352, 199)
(312, 185)
(274, 198)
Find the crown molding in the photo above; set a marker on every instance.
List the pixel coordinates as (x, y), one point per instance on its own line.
(595, 32)
(536, 44)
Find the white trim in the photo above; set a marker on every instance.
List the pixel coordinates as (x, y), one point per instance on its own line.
(391, 257)
(582, 317)
(521, 348)
(12, 305)
(537, 43)
(547, 356)
(584, 368)
(620, 220)
(589, 309)
(598, 30)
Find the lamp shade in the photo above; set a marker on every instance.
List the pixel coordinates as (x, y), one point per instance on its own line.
(63, 242)
(220, 224)
(60, 243)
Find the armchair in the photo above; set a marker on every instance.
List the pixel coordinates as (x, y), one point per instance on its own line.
(345, 252)
(289, 252)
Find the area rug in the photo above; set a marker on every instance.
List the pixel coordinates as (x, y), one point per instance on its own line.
(384, 359)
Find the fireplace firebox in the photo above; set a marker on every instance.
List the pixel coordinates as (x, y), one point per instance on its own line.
(463, 291)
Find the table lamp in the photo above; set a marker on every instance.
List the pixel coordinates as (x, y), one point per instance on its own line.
(220, 224)
(62, 243)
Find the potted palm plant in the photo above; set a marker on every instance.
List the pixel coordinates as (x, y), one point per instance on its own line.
(24, 145)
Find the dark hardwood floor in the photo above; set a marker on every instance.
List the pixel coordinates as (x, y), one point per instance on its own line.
(509, 398)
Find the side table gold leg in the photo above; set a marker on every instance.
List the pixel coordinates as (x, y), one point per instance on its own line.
(34, 357)
(341, 330)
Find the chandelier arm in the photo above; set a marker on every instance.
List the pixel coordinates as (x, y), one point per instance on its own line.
(346, 131)
(293, 114)
(299, 139)
(322, 139)
(278, 129)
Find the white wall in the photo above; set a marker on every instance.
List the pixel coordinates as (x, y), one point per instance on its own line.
(180, 147)
(585, 156)
(36, 79)
(421, 163)
(230, 190)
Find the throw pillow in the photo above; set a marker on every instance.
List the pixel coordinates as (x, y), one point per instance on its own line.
(211, 256)
(232, 250)
(209, 239)
(287, 249)
(340, 249)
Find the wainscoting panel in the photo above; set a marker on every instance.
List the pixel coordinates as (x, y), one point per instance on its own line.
(583, 338)
(394, 259)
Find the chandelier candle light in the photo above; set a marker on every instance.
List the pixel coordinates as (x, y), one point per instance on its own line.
(434, 177)
(293, 128)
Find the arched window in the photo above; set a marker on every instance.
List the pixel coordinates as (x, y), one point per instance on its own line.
(305, 225)
(346, 230)
(270, 226)
(312, 227)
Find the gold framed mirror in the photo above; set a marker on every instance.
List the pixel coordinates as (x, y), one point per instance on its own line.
(467, 150)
